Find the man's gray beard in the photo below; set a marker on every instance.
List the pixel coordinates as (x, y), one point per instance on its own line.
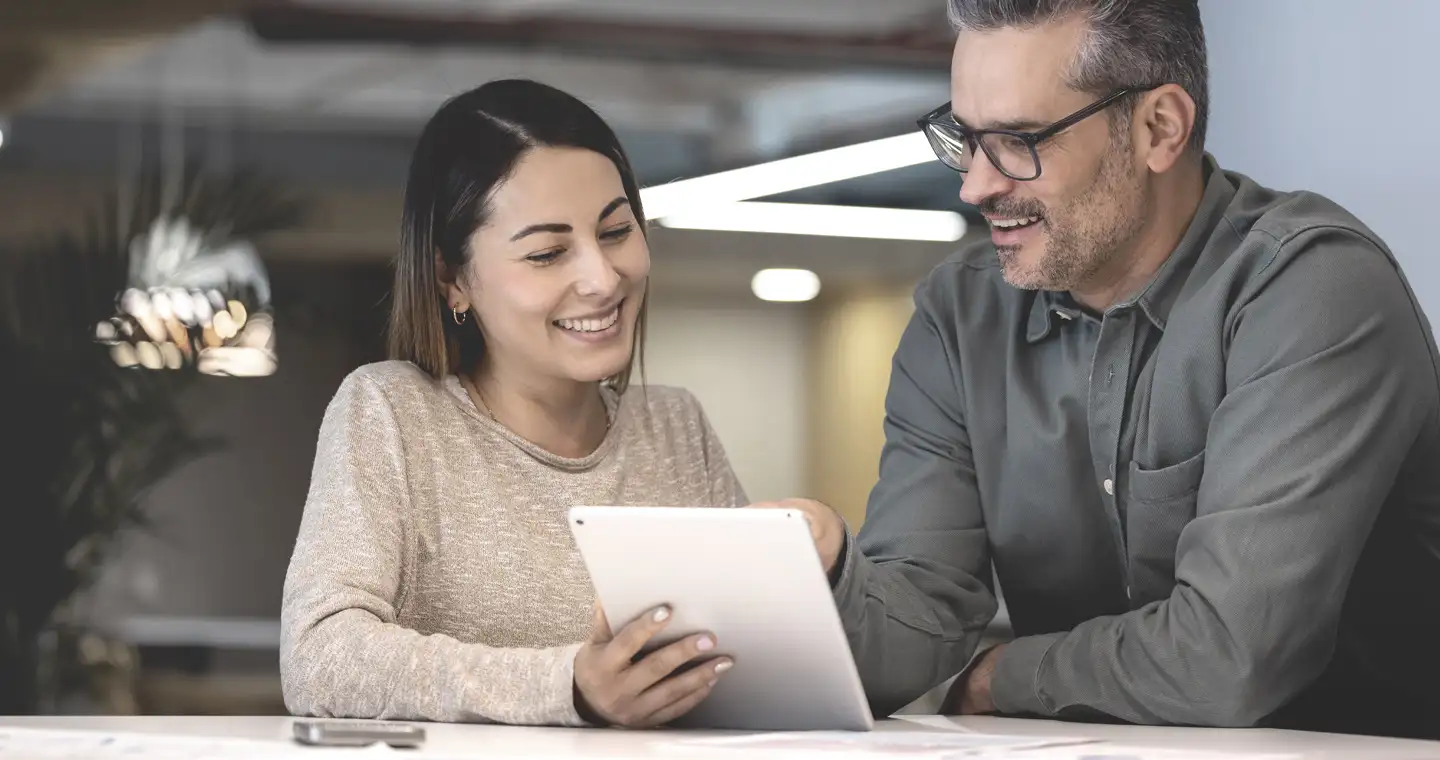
(1074, 254)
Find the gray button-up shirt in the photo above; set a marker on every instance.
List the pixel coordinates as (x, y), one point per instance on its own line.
(1216, 503)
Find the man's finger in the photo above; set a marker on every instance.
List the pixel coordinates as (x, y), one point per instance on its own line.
(806, 511)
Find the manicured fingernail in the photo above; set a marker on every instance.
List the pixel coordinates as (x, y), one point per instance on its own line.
(705, 644)
(723, 665)
(662, 614)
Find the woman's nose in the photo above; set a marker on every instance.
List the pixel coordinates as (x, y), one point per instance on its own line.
(598, 276)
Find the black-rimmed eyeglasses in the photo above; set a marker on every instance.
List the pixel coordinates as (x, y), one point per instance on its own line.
(1009, 150)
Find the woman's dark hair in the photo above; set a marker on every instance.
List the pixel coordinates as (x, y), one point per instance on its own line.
(467, 149)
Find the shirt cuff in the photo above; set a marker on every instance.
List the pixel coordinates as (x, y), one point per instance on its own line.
(842, 561)
(846, 573)
(1015, 684)
(950, 705)
(848, 583)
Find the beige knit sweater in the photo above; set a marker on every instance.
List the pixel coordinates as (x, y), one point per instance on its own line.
(434, 576)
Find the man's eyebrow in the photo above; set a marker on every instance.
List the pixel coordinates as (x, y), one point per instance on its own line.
(1022, 125)
(1016, 125)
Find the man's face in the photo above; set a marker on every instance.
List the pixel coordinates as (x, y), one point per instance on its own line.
(1056, 232)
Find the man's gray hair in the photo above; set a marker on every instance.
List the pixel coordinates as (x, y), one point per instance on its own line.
(1129, 43)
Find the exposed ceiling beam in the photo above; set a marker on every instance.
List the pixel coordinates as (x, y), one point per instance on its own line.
(44, 43)
(924, 49)
(56, 19)
(21, 70)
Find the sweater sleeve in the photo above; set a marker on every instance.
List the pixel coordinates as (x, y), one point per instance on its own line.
(342, 653)
(725, 487)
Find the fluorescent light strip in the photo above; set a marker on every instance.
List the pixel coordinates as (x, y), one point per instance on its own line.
(787, 174)
(828, 221)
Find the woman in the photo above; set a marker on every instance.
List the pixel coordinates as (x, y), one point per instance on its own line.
(434, 577)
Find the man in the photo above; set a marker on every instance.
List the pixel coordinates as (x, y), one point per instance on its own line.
(1193, 424)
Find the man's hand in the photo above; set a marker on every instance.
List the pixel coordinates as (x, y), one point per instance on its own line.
(970, 694)
(826, 526)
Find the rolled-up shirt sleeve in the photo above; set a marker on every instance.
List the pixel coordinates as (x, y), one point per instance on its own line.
(909, 587)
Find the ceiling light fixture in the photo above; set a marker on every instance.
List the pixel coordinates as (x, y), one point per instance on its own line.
(786, 174)
(822, 220)
(785, 285)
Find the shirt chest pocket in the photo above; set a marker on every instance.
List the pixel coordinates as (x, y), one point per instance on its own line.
(1161, 502)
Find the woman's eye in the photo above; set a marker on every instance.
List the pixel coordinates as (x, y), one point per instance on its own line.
(544, 257)
(618, 233)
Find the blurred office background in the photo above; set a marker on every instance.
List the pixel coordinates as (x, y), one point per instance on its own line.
(324, 98)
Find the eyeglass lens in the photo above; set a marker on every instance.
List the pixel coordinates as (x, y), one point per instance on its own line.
(1010, 154)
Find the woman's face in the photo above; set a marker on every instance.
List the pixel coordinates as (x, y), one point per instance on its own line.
(557, 274)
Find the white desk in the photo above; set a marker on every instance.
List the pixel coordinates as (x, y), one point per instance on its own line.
(505, 741)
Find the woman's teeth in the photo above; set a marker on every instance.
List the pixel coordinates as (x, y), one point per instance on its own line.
(590, 325)
(1010, 224)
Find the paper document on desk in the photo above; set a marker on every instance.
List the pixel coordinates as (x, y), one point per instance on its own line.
(909, 745)
(1111, 752)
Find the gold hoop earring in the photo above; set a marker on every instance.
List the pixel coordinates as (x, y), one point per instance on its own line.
(459, 316)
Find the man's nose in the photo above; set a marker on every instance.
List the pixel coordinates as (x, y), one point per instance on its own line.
(983, 181)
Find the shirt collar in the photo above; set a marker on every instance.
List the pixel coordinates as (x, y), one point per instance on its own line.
(1158, 296)
(1047, 307)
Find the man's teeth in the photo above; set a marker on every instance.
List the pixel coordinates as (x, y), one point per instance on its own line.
(1006, 224)
(590, 325)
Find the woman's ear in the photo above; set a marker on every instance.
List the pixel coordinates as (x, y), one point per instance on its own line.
(449, 285)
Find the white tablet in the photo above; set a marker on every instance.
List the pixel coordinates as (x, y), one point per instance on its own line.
(752, 577)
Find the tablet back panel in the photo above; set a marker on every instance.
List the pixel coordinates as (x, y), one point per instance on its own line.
(753, 578)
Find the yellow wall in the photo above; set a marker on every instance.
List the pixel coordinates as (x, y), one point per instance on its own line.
(854, 339)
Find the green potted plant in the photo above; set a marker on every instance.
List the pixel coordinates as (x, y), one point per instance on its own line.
(89, 438)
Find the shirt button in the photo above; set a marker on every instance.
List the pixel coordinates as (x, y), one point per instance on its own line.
(1109, 486)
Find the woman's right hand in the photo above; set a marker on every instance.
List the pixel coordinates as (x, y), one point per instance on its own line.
(623, 691)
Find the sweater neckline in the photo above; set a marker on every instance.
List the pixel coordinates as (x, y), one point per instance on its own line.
(551, 459)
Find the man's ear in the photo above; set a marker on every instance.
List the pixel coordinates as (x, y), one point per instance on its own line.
(1168, 117)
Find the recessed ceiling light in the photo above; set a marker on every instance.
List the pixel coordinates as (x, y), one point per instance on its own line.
(786, 285)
